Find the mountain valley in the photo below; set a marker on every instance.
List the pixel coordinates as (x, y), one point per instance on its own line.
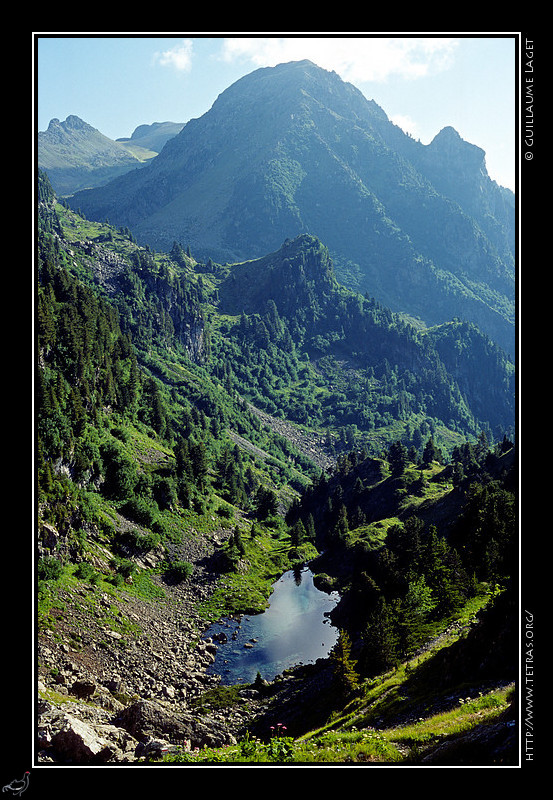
(261, 349)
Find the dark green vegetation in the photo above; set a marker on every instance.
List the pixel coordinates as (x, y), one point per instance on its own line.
(448, 531)
(177, 398)
(328, 357)
(293, 149)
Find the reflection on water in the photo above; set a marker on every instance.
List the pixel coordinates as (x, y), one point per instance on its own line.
(293, 630)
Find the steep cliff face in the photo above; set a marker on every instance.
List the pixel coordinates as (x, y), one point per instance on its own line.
(191, 331)
(458, 170)
(454, 161)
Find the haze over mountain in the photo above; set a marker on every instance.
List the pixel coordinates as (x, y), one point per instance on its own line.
(76, 156)
(154, 136)
(294, 149)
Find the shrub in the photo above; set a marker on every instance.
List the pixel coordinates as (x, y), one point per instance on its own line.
(49, 569)
(137, 541)
(126, 567)
(86, 572)
(179, 571)
(141, 510)
(226, 512)
(120, 472)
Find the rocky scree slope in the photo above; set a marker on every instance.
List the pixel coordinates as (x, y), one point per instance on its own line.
(107, 697)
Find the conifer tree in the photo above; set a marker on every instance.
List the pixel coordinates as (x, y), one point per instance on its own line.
(380, 641)
(310, 528)
(199, 464)
(267, 503)
(397, 458)
(344, 665)
(341, 526)
(431, 453)
(238, 541)
(297, 534)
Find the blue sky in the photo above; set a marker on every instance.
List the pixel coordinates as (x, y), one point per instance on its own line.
(116, 82)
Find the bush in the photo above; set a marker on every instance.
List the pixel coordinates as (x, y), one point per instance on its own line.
(179, 571)
(120, 472)
(86, 572)
(143, 511)
(225, 512)
(126, 567)
(49, 569)
(137, 541)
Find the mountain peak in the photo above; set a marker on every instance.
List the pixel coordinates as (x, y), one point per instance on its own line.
(449, 141)
(294, 149)
(293, 275)
(448, 134)
(76, 156)
(71, 123)
(289, 82)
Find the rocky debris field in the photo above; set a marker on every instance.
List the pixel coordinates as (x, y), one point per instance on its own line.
(310, 444)
(118, 676)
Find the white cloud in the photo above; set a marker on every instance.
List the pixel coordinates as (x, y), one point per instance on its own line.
(179, 57)
(355, 59)
(407, 124)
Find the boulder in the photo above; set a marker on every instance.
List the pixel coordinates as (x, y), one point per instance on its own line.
(83, 689)
(156, 748)
(150, 719)
(82, 736)
(78, 742)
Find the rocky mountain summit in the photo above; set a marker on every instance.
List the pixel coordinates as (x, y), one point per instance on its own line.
(76, 155)
(293, 149)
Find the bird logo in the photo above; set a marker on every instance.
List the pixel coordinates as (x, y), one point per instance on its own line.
(17, 787)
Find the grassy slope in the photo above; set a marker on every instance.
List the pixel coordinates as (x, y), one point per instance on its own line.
(366, 729)
(381, 724)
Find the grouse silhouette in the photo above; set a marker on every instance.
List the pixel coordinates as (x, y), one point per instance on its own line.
(17, 787)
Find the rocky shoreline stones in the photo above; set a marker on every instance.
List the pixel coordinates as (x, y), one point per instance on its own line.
(118, 683)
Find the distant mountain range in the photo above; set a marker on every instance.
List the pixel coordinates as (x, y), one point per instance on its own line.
(294, 149)
(154, 136)
(77, 156)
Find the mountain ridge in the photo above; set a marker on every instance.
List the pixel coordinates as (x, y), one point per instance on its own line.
(331, 322)
(164, 502)
(75, 155)
(293, 149)
(153, 136)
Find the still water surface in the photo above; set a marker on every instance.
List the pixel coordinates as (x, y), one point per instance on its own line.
(293, 630)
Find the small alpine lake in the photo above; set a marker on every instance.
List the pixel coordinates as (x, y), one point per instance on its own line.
(294, 629)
